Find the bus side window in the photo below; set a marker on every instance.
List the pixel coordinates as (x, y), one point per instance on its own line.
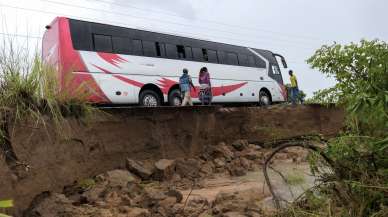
(260, 63)
(243, 60)
(137, 47)
(102, 43)
(205, 55)
(251, 61)
(212, 56)
(122, 45)
(149, 49)
(181, 51)
(232, 59)
(189, 53)
(160, 49)
(222, 57)
(197, 54)
(171, 51)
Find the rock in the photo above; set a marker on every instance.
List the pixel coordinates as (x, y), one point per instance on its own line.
(238, 201)
(240, 145)
(151, 197)
(255, 147)
(196, 206)
(207, 168)
(138, 169)
(281, 156)
(48, 204)
(235, 168)
(112, 199)
(94, 194)
(188, 168)
(177, 194)
(138, 212)
(252, 154)
(119, 178)
(164, 170)
(105, 213)
(223, 151)
(168, 203)
(219, 163)
(246, 164)
(233, 214)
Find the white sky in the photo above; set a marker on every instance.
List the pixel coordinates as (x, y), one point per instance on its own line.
(293, 28)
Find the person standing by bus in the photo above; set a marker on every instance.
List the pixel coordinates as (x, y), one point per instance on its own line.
(294, 87)
(205, 92)
(185, 84)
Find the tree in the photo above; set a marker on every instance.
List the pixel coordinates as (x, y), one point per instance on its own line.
(362, 81)
(354, 173)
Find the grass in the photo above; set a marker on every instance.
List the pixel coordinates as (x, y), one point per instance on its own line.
(29, 90)
(86, 184)
(296, 178)
(5, 204)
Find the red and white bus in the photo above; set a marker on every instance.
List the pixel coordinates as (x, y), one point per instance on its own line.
(118, 65)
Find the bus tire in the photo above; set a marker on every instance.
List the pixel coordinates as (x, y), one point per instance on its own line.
(149, 98)
(175, 98)
(264, 98)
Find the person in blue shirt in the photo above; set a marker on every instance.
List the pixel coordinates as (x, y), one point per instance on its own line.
(185, 84)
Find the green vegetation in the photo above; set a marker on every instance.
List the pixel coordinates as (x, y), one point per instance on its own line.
(86, 184)
(356, 183)
(29, 91)
(5, 204)
(301, 97)
(295, 178)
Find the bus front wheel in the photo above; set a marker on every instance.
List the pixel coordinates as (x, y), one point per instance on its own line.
(175, 98)
(149, 98)
(264, 98)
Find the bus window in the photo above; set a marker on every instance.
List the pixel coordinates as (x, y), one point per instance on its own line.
(232, 59)
(102, 43)
(243, 60)
(260, 63)
(149, 49)
(171, 51)
(137, 47)
(205, 55)
(181, 51)
(160, 49)
(221, 57)
(122, 45)
(251, 61)
(189, 53)
(197, 54)
(212, 56)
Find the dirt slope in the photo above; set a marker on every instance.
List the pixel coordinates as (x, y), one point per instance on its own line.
(142, 134)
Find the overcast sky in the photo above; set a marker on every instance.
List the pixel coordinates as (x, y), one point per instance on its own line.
(293, 28)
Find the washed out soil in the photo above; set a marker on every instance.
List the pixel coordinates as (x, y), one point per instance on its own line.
(226, 180)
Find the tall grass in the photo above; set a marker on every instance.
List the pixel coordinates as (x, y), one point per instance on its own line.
(29, 89)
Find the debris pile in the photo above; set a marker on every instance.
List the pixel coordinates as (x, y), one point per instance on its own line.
(146, 188)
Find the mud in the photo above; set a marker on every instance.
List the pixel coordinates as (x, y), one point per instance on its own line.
(145, 134)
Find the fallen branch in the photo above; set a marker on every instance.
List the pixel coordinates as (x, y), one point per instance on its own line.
(302, 144)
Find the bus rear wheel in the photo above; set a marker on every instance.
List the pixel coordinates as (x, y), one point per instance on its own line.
(149, 98)
(175, 98)
(264, 98)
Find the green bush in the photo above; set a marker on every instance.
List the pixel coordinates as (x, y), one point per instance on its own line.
(356, 184)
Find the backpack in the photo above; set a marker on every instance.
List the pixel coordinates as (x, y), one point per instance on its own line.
(184, 82)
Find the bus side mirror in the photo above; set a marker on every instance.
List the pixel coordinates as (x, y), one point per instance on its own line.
(283, 60)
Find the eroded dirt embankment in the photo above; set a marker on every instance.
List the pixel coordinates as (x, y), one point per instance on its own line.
(225, 181)
(141, 134)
